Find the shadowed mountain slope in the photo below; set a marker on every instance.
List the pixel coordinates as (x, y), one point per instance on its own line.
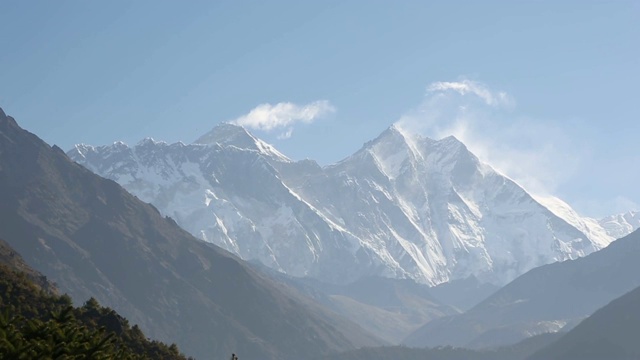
(544, 299)
(613, 333)
(38, 323)
(94, 239)
(12, 260)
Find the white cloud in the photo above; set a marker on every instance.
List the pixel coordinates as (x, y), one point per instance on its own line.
(537, 154)
(465, 87)
(604, 207)
(286, 135)
(268, 117)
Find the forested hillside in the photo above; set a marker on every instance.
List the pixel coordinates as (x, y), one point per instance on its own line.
(38, 323)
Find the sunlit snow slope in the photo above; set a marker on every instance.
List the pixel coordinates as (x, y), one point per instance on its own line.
(403, 206)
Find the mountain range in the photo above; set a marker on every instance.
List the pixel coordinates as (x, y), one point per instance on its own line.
(363, 221)
(94, 239)
(403, 206)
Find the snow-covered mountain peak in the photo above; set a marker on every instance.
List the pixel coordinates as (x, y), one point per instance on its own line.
(451, 140)
(403, 206)
(233, 135)
(391, 136)
(225, 134)
(81, 150)
(390, 151)
(149, 141)
(591, 227)
(396, 148)
(449, 144)
(120, 145)
(106, 151)
(621, 224)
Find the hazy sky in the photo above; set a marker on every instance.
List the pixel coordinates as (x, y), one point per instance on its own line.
(546, 91)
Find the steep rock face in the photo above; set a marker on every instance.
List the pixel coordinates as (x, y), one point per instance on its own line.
(94, 239)
(403, 206)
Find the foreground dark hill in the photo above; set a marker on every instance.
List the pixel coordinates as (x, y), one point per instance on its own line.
(13, 261)
(96, 240)
(544, 299)
(612, 333)
(37, 323)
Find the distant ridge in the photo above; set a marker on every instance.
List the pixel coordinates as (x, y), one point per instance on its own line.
(610, 333)
(546, 299)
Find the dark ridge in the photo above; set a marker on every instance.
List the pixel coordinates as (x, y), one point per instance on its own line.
(37, 323)
(610, 333)
(96, 240)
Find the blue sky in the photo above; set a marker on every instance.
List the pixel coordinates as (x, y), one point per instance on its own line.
(319, 78)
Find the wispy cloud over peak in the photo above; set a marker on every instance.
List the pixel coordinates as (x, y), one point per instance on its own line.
(286, 135)
(480, 90)
(268, 117)
(536, 153)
